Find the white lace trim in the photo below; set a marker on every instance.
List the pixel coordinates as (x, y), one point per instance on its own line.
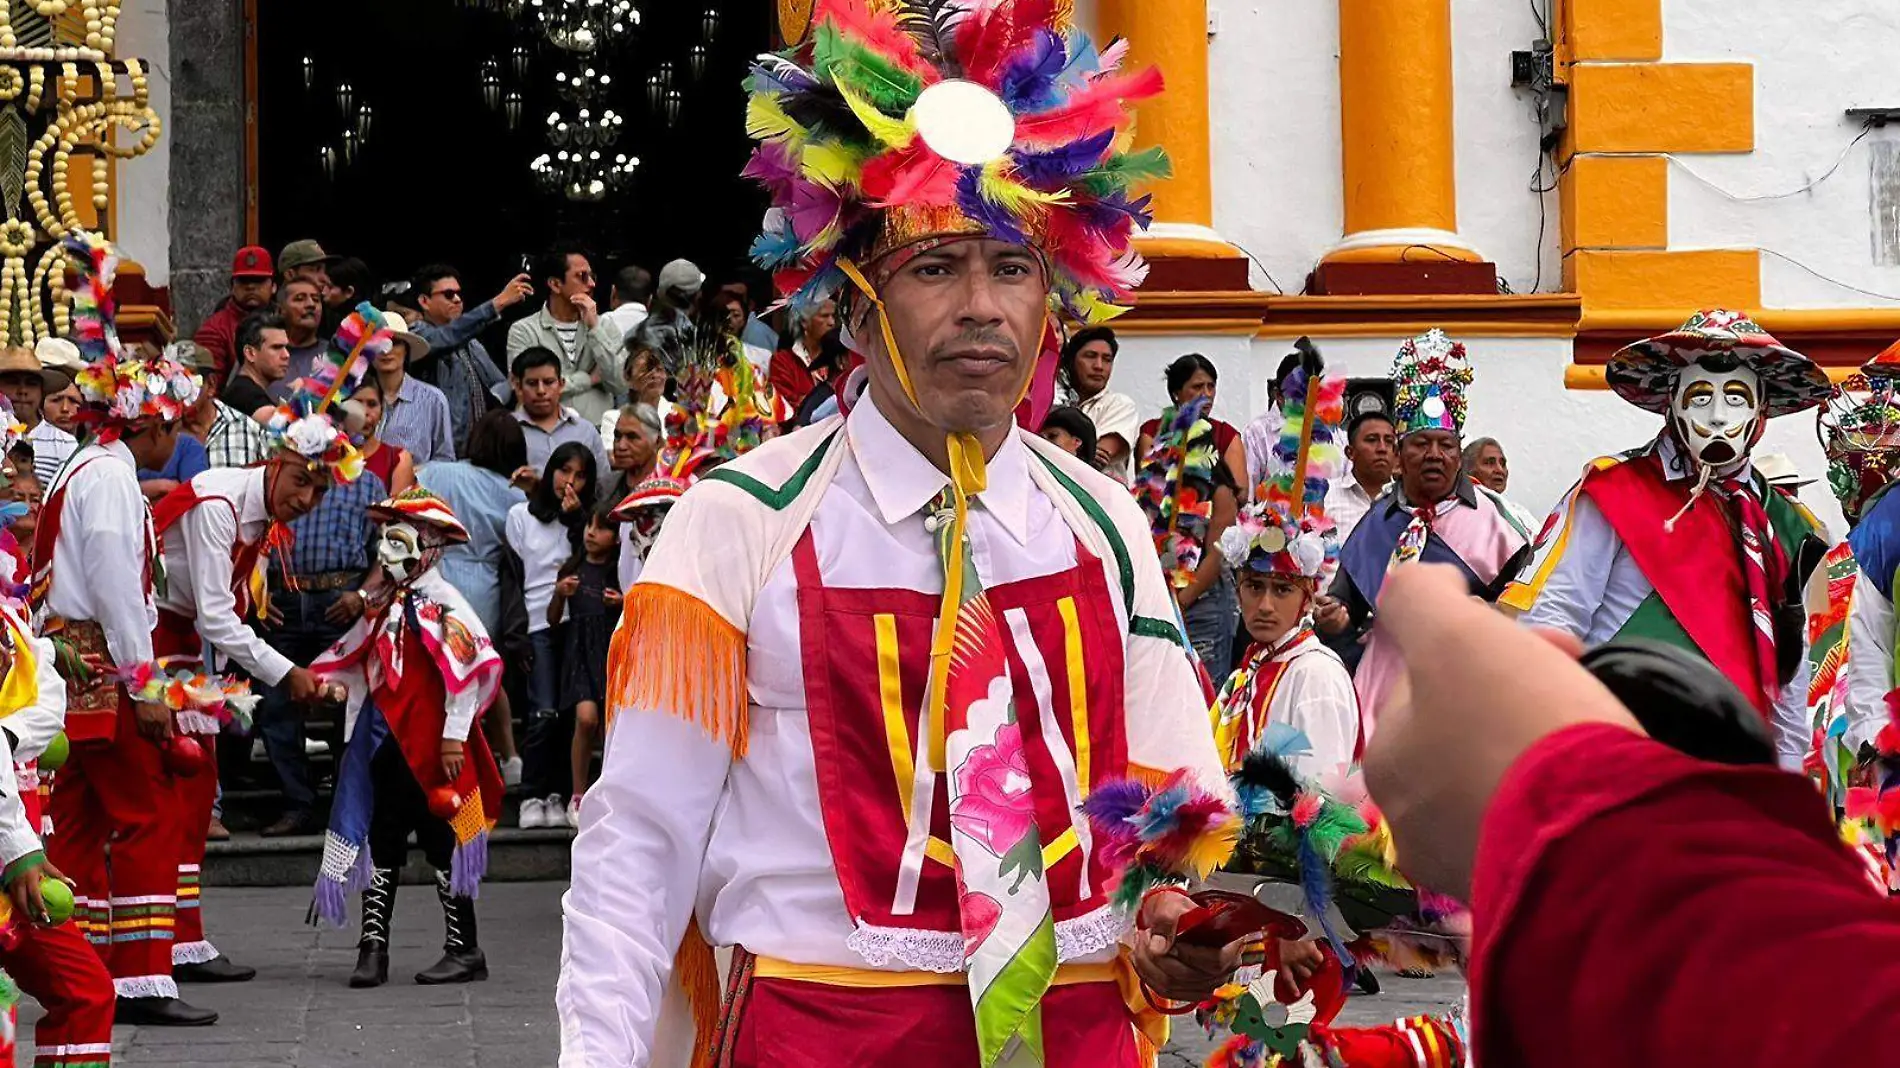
(339, 856)
(193, 953)
(194, 722)
(146, 986)
(942, 951)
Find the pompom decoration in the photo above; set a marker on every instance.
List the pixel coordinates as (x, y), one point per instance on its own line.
(1161, 835)
(1429, 378)
(1286, 530)
(223, 699)
(900, 121)
(118, 391)
(1175, 488)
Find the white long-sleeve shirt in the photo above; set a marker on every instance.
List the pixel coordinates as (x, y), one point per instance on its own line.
(99, 559)
(675, 826)
(198, 566)
(1869, 663)
(1594, 589)
(1315, 695)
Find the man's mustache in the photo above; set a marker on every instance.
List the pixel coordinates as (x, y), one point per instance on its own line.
(981, 338)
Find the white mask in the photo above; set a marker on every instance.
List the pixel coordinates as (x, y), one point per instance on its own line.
(1717, 413)
(399, 550)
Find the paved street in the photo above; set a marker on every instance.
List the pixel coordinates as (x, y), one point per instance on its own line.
(299, 1013)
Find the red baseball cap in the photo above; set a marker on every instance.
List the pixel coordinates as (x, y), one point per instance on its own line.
(252, 262)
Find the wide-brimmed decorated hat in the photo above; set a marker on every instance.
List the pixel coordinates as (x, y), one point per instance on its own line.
(1645, 373)
(902, 122)
(1859, 428)
(1286, 530)
(1429, 376)
(425, 510)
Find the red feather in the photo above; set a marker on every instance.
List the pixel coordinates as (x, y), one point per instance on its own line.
(913, 175)
(877, 30)
(996, 31)
(1103, 105)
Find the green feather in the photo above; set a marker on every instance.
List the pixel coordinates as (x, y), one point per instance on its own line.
(1335, 824)
(1363, 864)
(849, 65)
(1126, 170)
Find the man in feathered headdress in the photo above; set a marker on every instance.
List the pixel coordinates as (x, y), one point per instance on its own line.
(217, 536)
(1682, 541)
(1432, 514)
(92, 589)
(418, 670)
(871, 670)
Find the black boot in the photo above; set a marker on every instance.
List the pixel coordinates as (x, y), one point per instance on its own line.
(161, 1012)
(462, 960)
(372, 951)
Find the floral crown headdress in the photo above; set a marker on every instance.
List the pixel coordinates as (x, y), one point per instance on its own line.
(118, 389)
(1286, 531)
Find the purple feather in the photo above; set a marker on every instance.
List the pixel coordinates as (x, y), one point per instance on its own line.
(1001, 224)
(772, 166)
(1028, 83)
(812, 209)
(782, 74)
(1058, 167)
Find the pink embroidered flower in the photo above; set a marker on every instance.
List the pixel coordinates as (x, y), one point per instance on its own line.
(994, 803)
(981, 913)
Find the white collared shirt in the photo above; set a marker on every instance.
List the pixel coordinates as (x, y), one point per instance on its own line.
(198, 567)
(743, 843)
(99, 559)
(1315, 695)
(1347, 503)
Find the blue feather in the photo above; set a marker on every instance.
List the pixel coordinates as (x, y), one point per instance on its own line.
(1284, 741)
(774, 249)
(1316, 885)
(1084, 59)
(1028, 83)
(1058, 167)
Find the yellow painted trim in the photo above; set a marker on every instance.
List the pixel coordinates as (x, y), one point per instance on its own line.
(1172, 35)
(1067, 842)
(1706, 278)
(1396, 114)
(1186, 248)
(1590, 376)
(867, 979)
(1617, 202)
(1197, 327)
(1078, 693)
(1412, 327)
(1612, 29)
(1662, 107)
(890, 689)
(1403, 254)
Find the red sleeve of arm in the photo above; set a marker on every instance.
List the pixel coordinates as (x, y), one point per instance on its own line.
(1635, 906)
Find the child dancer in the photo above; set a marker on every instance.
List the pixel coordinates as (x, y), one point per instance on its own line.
(586, 606)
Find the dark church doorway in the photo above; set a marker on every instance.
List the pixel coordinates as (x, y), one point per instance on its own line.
(433, 171)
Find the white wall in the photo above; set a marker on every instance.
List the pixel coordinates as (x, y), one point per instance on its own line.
(1517, 396)
(144, 210)
(1812, 62)
(1274, 76)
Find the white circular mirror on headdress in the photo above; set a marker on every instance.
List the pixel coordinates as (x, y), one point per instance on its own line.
(964, 122)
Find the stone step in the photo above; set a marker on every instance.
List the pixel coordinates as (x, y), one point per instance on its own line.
(514, 855)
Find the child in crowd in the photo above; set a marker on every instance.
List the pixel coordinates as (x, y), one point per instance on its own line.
(586, 608)
(544, 533)
(1072, 432)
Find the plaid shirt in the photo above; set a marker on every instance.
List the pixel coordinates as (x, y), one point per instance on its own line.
(335, 536)
(235, 439)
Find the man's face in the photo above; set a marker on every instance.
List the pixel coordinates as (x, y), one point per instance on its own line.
(540, 392)
(968, 319)
(252, 293)
(1094, 363)
(25, 389)
(62, 408)
(317, 274)
(633, 445)
(394, 358)
(1429, 461)
(443, 302)
(303, 305)
(270, 357)
(1717, 412)
(1373, 451)
(1271, 604)
(296, 490)
(577, 282)
(1491, 469)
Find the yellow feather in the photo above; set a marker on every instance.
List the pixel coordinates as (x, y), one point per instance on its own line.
(1215, 847)
(893, 133)
(1011, 195)
(766, 120)
(831, 163)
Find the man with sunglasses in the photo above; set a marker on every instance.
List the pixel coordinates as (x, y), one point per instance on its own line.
(457, 363)
(571, 326)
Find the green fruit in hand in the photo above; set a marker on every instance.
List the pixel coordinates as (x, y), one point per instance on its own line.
(58, 899)
(56, 753)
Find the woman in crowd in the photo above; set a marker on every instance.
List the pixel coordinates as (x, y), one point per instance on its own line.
(544, 533)
(477, 490)
(1190, 378)
(1088, 360)
(797, 369)
(391, 463)
(586, 606)
(1072, 432)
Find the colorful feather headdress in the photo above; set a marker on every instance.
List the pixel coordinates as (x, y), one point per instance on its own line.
(118, 389)
(721, 410)
(1175, 488)
(1286, 530)
(1859, 428)
(902, 121)
(1430, 376)
(309, 421)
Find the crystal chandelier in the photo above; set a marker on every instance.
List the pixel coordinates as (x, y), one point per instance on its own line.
(585, 26)
(580, 168)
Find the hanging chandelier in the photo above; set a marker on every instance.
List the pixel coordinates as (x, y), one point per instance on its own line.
(585, 26)
(580, 167)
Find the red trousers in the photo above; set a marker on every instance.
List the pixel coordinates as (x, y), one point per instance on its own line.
(118, 793)
(56, 968)
(190, 807)
(788, 1023)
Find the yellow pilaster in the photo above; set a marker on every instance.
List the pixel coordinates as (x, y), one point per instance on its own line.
(1395, 89)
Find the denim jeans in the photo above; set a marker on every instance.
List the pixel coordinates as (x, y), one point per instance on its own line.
(1211, 620)
(303, 636)
(545, 767)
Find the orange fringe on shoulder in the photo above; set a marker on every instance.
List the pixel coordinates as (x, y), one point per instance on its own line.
(1147, 776)
(674, 654)
(698, 974)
